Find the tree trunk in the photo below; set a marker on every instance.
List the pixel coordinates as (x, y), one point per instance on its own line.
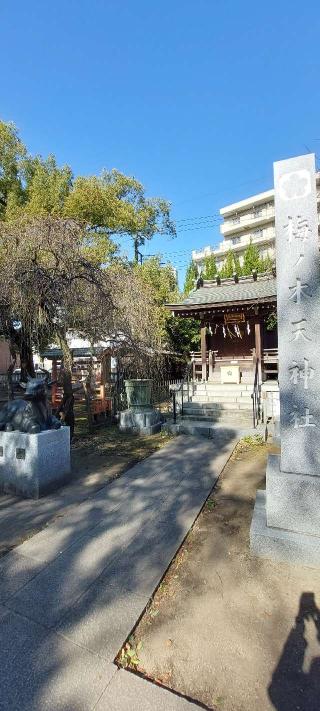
(87, 396)
(136, 249)
(13, 361)
(66, 409)
(26, 357)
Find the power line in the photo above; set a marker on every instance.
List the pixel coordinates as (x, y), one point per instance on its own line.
(199, 218)
(207, 222)
(188, 229)
(218, 192)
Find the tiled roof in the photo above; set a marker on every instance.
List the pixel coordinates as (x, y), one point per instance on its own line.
(229, 292)
(76, 352)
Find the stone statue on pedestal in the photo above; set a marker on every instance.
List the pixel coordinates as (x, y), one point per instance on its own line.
(29, 414)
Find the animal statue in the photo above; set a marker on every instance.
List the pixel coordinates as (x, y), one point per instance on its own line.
(29, 414)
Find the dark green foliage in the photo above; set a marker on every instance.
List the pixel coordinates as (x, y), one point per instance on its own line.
(183, 334)
(271, 321)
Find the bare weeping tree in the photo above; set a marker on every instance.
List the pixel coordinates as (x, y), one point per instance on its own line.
(49, 287)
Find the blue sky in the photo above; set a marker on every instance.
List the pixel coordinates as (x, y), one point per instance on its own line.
(196, 99)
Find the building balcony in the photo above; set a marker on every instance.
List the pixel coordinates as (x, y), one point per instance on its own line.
(223, 248)
(248, 204)
(201, 254)
(264, 238)
(243, 223)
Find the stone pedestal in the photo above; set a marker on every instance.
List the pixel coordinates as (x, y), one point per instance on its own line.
(34, 464)
(286, 521)
(142, 421)
(278, 543)
(293, 500)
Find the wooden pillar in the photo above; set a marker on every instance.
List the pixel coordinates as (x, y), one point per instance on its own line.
(103, 377)
(193, 361)
(210, 365)
(204, 352)
(258, 345)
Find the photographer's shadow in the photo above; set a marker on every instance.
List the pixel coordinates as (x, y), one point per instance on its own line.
(292, 688)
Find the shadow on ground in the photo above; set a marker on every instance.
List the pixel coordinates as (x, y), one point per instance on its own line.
(71, 594)
(217, 628)
(96, 460)
(296, 680)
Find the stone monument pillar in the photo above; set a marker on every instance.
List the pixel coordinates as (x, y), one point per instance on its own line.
(286, 520)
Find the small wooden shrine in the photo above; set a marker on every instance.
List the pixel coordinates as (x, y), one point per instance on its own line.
(237, 327)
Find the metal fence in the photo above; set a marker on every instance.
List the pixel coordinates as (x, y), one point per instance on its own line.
(160, 392)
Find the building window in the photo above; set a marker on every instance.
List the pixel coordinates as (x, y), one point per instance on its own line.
(236, 240)
(257, 212)
(236, 219)
(257, 233)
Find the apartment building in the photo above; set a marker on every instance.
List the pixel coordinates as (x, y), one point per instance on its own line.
(251, 219)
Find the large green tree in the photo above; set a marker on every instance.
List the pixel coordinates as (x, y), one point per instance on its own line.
(160, 281)
(177, 334)
(160, 277)
(190, 278)
(117, 204)
(12, 155)
(109, 205)
(38, 195)
(210, 267)
(183, 334)
(47, 186)
(231, 266)
(252, 260)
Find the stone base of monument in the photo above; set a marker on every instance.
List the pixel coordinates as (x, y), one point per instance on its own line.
(34, 464)
(142, 421)
(279, 544)
(276, 438)
(286, 519)
(293, 500)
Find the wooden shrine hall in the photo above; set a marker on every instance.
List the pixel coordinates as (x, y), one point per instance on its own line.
(237, 326)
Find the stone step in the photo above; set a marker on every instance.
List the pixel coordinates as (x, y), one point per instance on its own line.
(221, 386)
(216, 406)
(230, 416)
(219, 393)
(190, 428)
(206, 429)
(222, 398)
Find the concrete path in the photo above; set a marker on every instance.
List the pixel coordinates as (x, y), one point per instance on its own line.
(70, 595)
(22, 518)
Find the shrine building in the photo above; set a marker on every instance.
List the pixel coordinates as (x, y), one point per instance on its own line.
(238, 331)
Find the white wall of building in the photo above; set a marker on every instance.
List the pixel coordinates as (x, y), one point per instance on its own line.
(249, 220)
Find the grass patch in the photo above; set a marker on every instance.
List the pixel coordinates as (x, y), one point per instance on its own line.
(211, 504)
(128, 657)
(251, 442)
(109, 440)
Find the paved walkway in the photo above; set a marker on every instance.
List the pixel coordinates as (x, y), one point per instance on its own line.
(22, 518)
(70, 595)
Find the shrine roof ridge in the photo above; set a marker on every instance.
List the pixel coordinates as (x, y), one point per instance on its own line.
(247, 289)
